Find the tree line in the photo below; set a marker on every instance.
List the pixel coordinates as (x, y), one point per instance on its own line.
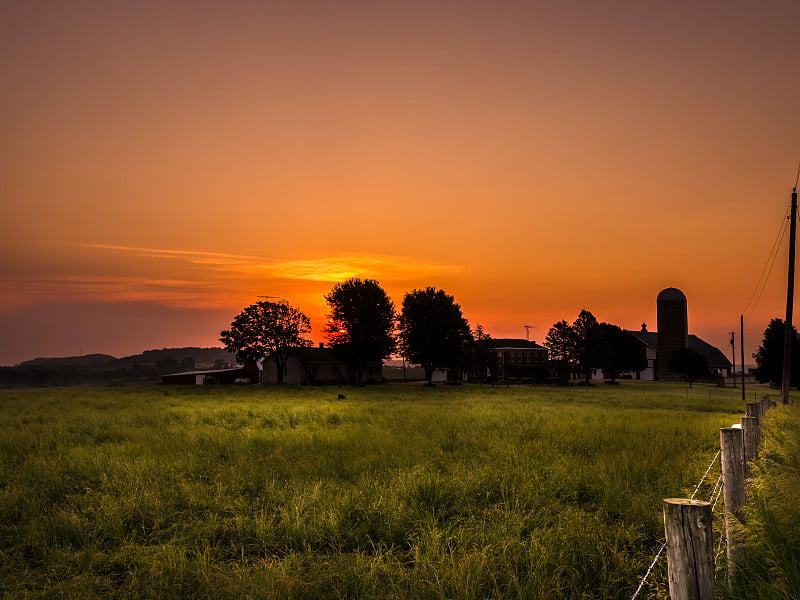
(587, 345)
(364, 327)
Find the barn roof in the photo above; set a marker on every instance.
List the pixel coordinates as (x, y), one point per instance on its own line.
(513, 343)
(716, 359)
(211, 372)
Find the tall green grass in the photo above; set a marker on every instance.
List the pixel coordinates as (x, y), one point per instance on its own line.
(772, 565)
(395, 492)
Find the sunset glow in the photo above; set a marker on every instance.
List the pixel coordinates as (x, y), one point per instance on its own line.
(165, 164)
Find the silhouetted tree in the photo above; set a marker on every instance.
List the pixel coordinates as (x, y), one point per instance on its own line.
(188, 363)
(587, 343)
(267, 330)
(561, 344)
(769, 356)
(361, 324)
(482, 357)
(433, 332)
(620, 351)
(689, 363)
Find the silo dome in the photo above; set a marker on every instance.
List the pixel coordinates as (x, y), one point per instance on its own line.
(669, 294)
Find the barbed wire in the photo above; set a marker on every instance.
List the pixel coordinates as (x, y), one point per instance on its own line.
(664, 545)
(713, 460)
(715, 495)
(650, 570)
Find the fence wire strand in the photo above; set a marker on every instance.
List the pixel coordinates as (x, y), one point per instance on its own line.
(717, 485)
(646, 575)
(713, 460)
(717, 493)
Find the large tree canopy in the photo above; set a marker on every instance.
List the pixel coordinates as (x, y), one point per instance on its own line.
(433, 332)
(267, 330)
(361, 324)
(482, 357)
(561, 343)
(620, 351)
(588, 344)
(769, 356)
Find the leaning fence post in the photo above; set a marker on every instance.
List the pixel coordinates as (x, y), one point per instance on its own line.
(732, 448)
(750, 433)
(690, 549)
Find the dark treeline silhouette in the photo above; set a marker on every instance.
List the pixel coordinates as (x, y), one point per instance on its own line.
(101, 369)
(587, 345)
(769, 356)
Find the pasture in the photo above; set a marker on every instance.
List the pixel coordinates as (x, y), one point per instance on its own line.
(397, 491)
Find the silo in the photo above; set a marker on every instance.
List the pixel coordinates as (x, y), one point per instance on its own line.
(673, 329)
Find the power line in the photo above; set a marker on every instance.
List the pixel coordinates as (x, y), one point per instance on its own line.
(761, 284)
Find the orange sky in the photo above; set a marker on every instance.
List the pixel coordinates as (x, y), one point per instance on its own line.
(164, 163)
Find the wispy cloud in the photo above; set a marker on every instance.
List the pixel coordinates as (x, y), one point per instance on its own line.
(195, 256)
(115, 288)
(329, 269)
(197, 278)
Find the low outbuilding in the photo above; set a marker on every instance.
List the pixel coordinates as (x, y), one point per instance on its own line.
(247, 374)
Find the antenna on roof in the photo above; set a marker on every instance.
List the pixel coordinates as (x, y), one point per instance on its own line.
(528, 331)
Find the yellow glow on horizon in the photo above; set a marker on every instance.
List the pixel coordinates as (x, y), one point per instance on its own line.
(340, 268)
(199, 278)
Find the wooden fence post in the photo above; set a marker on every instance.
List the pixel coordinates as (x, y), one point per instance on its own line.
(754, 410)
(750, 433)
(690, 549)
(766, 403)
(732, 446)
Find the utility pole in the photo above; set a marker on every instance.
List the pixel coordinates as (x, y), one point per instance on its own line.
(787, 336)
(741, 349)
(733, 354)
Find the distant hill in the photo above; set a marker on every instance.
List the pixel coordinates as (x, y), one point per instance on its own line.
(106, 369)
(201, 356)
(69, 362)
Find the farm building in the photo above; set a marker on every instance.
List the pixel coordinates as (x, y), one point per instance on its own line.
(717, 361)
(317, 366)
(673, 334)
(247, 374)
(518, 360)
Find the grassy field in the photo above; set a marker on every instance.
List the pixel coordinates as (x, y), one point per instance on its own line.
(394, 492)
